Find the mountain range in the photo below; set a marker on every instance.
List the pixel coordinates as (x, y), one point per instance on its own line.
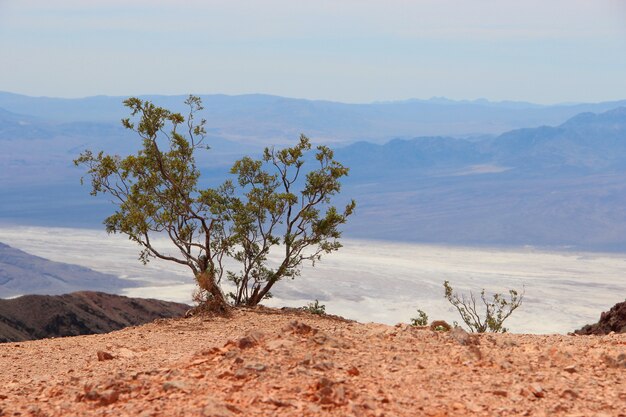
(261, 119)
(436, 171)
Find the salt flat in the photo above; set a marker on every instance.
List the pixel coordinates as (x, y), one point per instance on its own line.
(377, 281)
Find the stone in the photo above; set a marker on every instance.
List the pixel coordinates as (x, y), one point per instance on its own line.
(569, 394)
(300, 328)
(570, 369)
(440, 325)
(537, 390)
(257, 367)
(104, 356)
(215, 409)
(108, 397)
(174, 386)
(246, 342)
(353, 371)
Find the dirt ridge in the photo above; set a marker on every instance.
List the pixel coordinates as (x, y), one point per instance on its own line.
(262, 362)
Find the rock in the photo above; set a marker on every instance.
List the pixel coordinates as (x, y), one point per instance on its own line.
(613, 320)
(246, 342)
(215, 409)
(257, 367)
(108, 397)
(353, 371)
(617, 362)
(537, 390)
(300, 328)
(500, 393)
(463, 337)
(174, 386)
(569, 394)
(250, 340)
(570, 369)
(278, 344)
(104, 356)
(440, 325)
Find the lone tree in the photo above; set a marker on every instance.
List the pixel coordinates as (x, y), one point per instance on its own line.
(274, 217)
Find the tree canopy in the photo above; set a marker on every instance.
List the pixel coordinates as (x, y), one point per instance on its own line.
(275, 214)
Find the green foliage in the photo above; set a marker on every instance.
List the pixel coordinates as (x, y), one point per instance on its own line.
(315, 308)
(274, 210)
(421, 319)
(497, 310)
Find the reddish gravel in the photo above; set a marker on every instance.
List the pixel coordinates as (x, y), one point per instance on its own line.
(267, 362)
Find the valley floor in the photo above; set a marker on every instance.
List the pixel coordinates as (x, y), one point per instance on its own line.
(264, 362)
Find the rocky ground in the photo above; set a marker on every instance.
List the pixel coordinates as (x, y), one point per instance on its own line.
(265, 362)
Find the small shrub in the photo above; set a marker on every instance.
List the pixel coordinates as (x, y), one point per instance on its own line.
(497, 310)
(421, 319)
(315, 308)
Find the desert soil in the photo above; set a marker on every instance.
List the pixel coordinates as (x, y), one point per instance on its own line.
(266, 362)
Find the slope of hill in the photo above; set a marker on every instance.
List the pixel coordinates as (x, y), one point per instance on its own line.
(32, 317)
(22, 273)
(613, 320)
(265, 362)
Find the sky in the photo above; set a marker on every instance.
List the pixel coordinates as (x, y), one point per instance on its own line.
(353, 51)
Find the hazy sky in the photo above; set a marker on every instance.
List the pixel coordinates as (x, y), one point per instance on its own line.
(347, 50)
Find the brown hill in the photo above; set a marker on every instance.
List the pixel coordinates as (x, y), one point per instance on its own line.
(32, 317)
(264, 362)
(613, 320)
(22, 273)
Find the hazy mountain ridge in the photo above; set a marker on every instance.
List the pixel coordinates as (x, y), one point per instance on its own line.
(588, 142)
(557, 186)
(258, 118)
(549, 186)
(23, 273)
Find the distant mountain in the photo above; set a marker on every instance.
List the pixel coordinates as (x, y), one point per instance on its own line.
(22, 273)
(562, 185)
(587, 142)
(265, 119)
(34, 317)
(14, 125)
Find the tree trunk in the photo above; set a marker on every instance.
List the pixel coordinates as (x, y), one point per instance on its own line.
(217, 302)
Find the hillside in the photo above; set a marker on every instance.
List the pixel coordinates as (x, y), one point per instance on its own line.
(285, 363)
(23, 273)
(34, 317)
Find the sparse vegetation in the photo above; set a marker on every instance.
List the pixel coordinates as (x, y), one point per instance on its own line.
(421, 319)
(497, 310)
(315, 308)
(275, 210)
